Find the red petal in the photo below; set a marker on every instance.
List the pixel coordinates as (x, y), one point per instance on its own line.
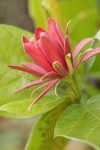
(25, 40)
(80, 46)
(37, 33)
(35, 67)
(39, 45)
(52, 50)
(55, 31)
(87, 56)
(91, 53)
(30, 84)
(67, 47)
(43, 93)
(39, 88)
(31, 41)
(50, 76)
(28, 70)
(37, 56)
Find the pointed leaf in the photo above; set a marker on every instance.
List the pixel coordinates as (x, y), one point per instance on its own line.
(52, 8)
(42, 135)
(81, 122)
(45, 104)
(11, 53)
(36, 12)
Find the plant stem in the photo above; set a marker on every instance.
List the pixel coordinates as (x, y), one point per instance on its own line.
(76, 89)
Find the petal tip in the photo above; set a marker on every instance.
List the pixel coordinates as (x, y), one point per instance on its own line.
(24, 39)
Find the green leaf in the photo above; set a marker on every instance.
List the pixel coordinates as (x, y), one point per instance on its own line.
(36, 12)
(90, 89)
(81, 122)
(53, 10)
(11, 45)
(81, 18)
(98, 35)
(21, 107)
(98, 5)
(10, 82)
(40, 10)
(11, 52)
(12, 116)
(42, 135)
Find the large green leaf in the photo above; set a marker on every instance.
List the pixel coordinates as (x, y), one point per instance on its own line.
(21, 107)
(81, 122)
(10, 82)
(11, 52)
(53, 10)
(41, 137)
(12, 116)
(40, 10)
(83, 20)
(36, 12)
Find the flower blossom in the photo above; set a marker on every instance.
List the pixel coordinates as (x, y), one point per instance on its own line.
(52, 57)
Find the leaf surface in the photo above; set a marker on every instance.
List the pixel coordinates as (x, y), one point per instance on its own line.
(42, 135)
(21, 107)
(81, 122)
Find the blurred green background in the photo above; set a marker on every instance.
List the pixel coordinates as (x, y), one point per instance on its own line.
(27, 14)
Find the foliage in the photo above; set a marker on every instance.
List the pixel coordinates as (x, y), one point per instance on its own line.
(78, 121)
(81, 121)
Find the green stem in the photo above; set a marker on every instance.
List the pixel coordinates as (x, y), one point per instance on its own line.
(74, 85)
(76, 89)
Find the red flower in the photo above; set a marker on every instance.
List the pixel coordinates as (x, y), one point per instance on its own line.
(52, 56)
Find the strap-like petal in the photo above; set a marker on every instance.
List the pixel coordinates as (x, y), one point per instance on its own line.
(43, 85)
(52, 50)
(55, 31)
(91, 54)
(39, 45)
(37, 56)
(25, 40)
(67, 47)
(80, 46)
(28, 70)
(29, 85)
(35, 67)
(88, 55)
(43, 93)
(31, 41)
(50, 76)
(38, 32)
